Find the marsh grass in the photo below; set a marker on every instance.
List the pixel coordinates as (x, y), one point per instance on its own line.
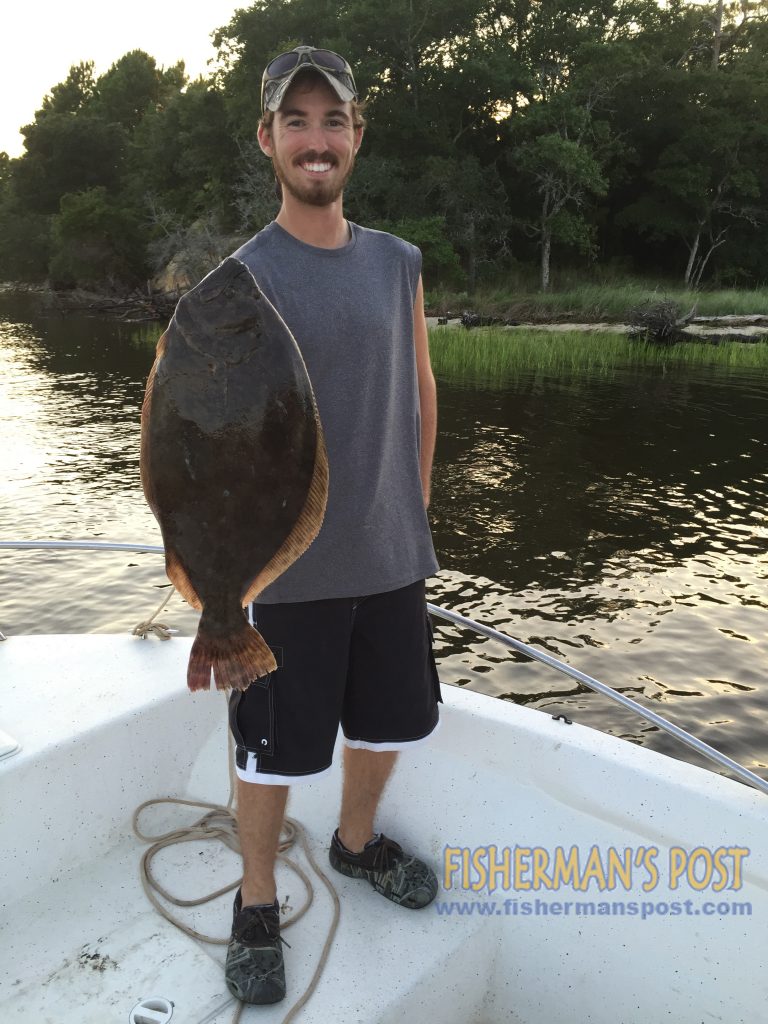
(500, 354)
(595, 301)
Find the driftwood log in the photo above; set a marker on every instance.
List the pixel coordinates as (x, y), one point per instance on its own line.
(137, 306)
(659, 321)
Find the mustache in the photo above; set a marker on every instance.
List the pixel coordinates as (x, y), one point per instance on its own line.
(313, 157)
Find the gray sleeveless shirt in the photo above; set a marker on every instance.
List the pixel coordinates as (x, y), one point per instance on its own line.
(351, 313)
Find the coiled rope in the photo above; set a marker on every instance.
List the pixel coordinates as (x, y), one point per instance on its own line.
(161, 631)
(220, 823)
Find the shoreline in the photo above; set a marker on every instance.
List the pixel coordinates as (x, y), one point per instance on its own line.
(149, 306)
(729, 327)
(136, 306)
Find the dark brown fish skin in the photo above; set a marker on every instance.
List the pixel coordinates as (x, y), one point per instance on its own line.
(233, 464)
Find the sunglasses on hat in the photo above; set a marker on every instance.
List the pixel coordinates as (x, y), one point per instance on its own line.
(280, 72)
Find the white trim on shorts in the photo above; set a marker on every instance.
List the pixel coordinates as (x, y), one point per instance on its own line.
(397, 745)
(249, 774)
(265, 778)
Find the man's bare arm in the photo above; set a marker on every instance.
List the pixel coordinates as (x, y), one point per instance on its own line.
(427, 392)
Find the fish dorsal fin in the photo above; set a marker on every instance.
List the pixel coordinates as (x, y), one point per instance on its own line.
(173, 567)
(146, 410)
(177, 574)
(306, 528)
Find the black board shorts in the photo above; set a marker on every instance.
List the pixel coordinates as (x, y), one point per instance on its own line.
(364, 662)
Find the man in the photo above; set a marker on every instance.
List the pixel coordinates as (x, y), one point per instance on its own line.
(347, 622)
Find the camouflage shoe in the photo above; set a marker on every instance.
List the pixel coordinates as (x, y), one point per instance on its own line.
(254, 971)
(399, 876)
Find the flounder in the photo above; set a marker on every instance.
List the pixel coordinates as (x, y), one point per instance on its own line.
(233, 464)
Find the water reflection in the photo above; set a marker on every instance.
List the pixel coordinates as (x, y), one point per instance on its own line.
(619, 523)
(615, 520)
(70, 395)
(556, 483)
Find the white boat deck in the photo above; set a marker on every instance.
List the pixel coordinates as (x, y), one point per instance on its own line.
(106, 722)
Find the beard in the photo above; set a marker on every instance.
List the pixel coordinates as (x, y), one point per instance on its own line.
(313, 193)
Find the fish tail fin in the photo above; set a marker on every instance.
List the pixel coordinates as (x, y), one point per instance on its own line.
(236, 657)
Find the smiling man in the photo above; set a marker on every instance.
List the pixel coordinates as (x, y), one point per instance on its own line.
(347, 622)
(309, 178)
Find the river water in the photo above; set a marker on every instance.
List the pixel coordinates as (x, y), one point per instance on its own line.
(616, 520)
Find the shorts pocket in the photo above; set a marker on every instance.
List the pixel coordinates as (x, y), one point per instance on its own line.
(261, 713)
(252, 718)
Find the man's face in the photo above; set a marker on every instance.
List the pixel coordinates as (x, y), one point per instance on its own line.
(312, 142)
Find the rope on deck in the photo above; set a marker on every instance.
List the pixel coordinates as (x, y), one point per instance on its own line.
(161, 631)
(220, 823)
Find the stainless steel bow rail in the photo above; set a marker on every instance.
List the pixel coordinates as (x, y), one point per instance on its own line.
(492, 634)
(618, 698)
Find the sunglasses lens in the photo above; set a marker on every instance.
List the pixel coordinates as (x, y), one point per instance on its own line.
(281, 65)
(328, 59)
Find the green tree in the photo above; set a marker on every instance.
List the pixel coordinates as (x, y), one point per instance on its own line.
(560, 143)
(73, 94)
(97, 242)
(185, 154)
(67, 153)
(708, 175)
(440, 259)
(623, 127)
(133, 86)
(25, 243)
(472, 200)
(566, 174)
(381, 188)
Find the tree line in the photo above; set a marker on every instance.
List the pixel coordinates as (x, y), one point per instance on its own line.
(502, 134)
